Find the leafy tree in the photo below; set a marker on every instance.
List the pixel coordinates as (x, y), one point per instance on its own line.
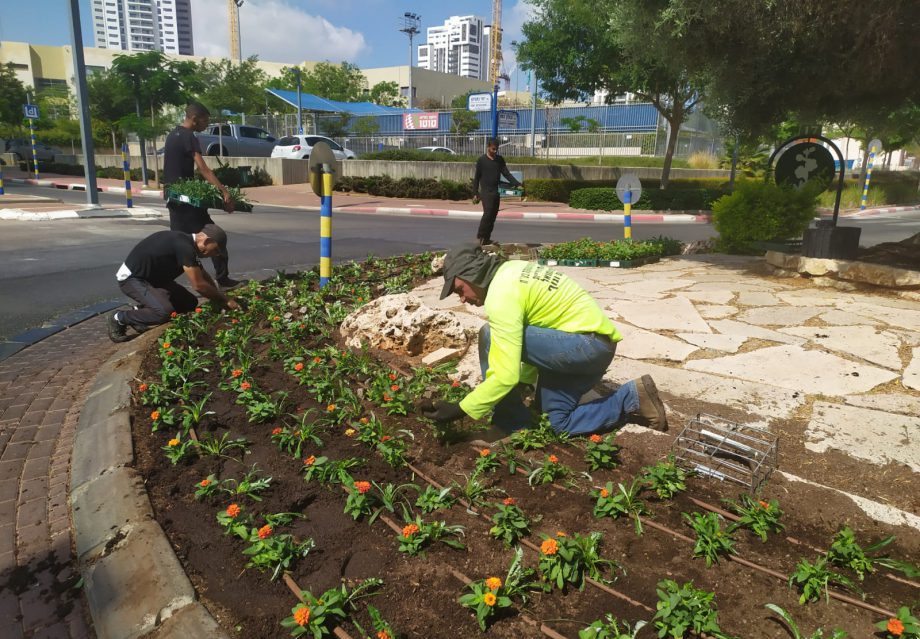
(580, 122)
(461, 101)
(235, 86)
(430, 104)
(335, 126)
(365, 126)
(12, 96)
(110, 100)
(463, 122)
(386, 94)
(343, 82)
(578, 47)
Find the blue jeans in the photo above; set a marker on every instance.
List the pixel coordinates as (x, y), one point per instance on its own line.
(569, 364)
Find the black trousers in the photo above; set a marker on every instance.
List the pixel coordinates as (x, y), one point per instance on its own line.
(490, 202)
(190, 219)
(156, 303)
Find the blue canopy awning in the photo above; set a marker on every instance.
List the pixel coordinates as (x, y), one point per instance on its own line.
(310, 102)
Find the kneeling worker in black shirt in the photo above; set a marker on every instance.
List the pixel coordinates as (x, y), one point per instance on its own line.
(148, 277)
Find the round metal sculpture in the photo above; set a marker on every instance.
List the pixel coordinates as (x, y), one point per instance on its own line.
(321, 155)
(629, 182)
(803, 163)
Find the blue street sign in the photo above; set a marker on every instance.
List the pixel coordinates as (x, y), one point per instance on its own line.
(479, 102)
(30, 111)
(508, 119)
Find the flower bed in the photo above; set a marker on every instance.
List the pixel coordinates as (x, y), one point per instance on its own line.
(278, 461)
(613, 254)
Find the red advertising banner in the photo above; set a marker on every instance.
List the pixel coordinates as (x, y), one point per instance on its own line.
(419, 121)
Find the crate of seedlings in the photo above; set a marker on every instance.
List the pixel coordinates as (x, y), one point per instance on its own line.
(587, 252)
(204, 195)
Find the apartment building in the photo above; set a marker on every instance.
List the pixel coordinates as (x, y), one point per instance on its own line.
(143, 25)
(458, 47)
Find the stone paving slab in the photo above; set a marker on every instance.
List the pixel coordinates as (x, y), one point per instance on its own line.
(742, 329)
(641, 344)
(792, 367)
(778, 315)
(875, 436)
(891, 402)
(716, 311)
(864, 342)
(715, 341)
(844, 318)
(673, 314)
(708, 297)
(911, 377)
(756, 298)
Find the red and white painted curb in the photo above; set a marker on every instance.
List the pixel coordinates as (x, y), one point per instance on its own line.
(82, 187)
(655, 217)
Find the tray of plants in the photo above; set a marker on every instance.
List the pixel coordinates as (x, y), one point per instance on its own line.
(204, 195)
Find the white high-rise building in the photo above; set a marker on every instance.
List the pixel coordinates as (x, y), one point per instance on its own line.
(460, 47)
(144, 25)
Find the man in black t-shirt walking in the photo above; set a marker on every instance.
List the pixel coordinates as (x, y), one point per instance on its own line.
(489, 168)
(183, 154)
(148, 277)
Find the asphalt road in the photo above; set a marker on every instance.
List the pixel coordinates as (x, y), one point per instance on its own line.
(51, 268)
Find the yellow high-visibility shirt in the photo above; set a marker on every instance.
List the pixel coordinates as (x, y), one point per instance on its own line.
(525, 294)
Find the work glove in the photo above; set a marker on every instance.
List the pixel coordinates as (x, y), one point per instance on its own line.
(441, 411)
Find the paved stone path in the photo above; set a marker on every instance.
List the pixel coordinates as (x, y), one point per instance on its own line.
(42, 390)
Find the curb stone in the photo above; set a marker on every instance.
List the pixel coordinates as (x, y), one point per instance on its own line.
(135, 586)
(70, 214)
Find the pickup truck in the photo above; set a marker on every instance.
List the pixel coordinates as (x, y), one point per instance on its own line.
(237, 140)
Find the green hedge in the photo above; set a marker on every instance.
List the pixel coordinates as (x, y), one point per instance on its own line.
(588, 249)
(228, 176)
(761, 212)
(422, 188)
(680, 199)
(683, 193)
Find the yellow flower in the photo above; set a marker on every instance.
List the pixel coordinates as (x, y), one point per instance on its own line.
(350, 432)
(173, 442)
(489, 599)
(493, 583)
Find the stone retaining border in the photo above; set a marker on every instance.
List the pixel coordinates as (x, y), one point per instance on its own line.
(846, 274)
(135, 586)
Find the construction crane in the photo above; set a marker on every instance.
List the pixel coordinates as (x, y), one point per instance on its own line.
(495, 43)
(233, 7)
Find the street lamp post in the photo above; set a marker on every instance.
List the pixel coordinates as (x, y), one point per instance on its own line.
(410, 26)
(299, 107)
(86, 130)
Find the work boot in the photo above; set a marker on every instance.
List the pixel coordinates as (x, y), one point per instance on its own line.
(651, 409)
(118, 332)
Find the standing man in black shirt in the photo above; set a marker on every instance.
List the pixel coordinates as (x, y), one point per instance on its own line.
(489, 168)
(183, 154)
(148, 277)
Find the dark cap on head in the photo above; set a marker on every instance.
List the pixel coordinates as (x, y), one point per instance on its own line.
(469, 263)
(217, 234)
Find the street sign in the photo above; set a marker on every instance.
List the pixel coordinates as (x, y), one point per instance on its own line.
(323, 160)
(508, 119)
(804, 162)
(30, 111)
(629, 182)
(479, 102)
(416, 121)
(876, 144)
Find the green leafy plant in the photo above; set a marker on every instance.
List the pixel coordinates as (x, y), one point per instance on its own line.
(570, 560)
(475, 492)
(549, 471)
(416, 535)
(684, 609)
(207, 487)
(361, 500)
(527, 439)
(904, 625)
(510, 523)
(269, 550)
(665, 478)
(234, 521)
(493, 594)
(177, 449)
(711, 540)
(846, 552)
(761, 517)
(623, 501)
(794, 629)
(601, 453)
(432, 499)
(609, 628)
(486, 462)
(317, 616)
(193, 412)
(291, 439)
(813, 580)
(389, 495)
(393, 448)
(326, 471)
(211, 445)
(263, 408)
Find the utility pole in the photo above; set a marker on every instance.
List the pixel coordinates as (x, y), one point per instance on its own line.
(86, 130)
(533, 118)
(299, 108)
(236, 43)
(410, 26)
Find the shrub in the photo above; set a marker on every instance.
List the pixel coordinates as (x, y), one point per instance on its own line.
(588, 249)
(422, 188)
(886, 187)
(682, 197)
(595, 199)
(703, 160)
(760, 212)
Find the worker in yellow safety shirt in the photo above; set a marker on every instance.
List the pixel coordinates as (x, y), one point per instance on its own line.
(544, 329)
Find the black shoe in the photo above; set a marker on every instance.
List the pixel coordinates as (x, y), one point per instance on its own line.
(229, 284)
(118, 332)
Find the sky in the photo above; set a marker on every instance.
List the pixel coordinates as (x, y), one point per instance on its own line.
(364, 32)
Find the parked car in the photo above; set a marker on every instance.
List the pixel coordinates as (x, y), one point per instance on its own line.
(22, 149)
(437, 149)
(298, 147)
(237, 140)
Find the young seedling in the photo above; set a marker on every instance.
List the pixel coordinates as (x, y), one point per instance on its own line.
(847, 553)
(249, 486)
(684, 609)
(291, 439)
(549, 471)
(794, 629)
(178, 450)
(326, 471)
(487, 462)
(270, 550)
(210, 445)
(361, 500)
(474, 492)
(207, 487)
(510, 523)
(490, 595)
(902, 626)
(569, 560)
(813, 580)
(761, 517)
(711, 540)
(318, 616)
(609, 628)
(416, 535)
(193, 412)
(432, 499)
(234, 521)
(665, 478)
(623, 501)
(601, 453)
(536, 438)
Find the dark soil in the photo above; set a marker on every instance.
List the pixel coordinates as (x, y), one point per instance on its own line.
(903, 254)
(419, 596)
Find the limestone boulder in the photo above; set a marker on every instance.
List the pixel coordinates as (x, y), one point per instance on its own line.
(879, 275)
(404, 324)
(437, 264)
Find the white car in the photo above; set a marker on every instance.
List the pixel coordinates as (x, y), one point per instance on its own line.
(298, 147)
(437, 149)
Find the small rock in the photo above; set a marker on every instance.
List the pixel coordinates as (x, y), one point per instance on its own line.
(440, 356)
(437, 264)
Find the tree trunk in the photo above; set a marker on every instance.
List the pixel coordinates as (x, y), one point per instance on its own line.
(114, 147)
(156, 157)
(673, 132)
(865, 163)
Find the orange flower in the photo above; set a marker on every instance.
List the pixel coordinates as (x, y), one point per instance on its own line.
(485, 452)
(410, 530)
(155, 415)
(302, 616)
(205, 483)
(385, 438)
(549, 547)
(233, 510)
(455, 385)
(363, 420)
(277, 430)
(330, 408)
(234, 321)
(605, 493)
(143, 388)
(309, 460)
(394, 387)
(174, 315)
(277, 318)
(350, 432)
(166, 344)
(489, 599)
(169, 352)
(560, 533)
(387, 398)
(596, 439)
(236, 372)
(764, 505)
(360, 299)
(362, 486)
(493, 583)
(173, 442)
(508, 501)
(198, 309)
(298, 366)
(383, 634)
(553, 459)
(265, 531)
(245, 386)
(392, 377)
(317, 359)
(895, 627)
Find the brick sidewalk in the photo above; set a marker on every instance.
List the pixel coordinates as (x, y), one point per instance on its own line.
(42, 390)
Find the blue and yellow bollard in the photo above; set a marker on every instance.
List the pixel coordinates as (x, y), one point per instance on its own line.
(627, 215)
(126, 165)
(325, 229)
(1, 179)
(865, 193)
(34, 149)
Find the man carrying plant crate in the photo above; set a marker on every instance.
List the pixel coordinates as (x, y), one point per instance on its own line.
(489, 169)
(183, 155)
(148, 277)
(543, 329)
